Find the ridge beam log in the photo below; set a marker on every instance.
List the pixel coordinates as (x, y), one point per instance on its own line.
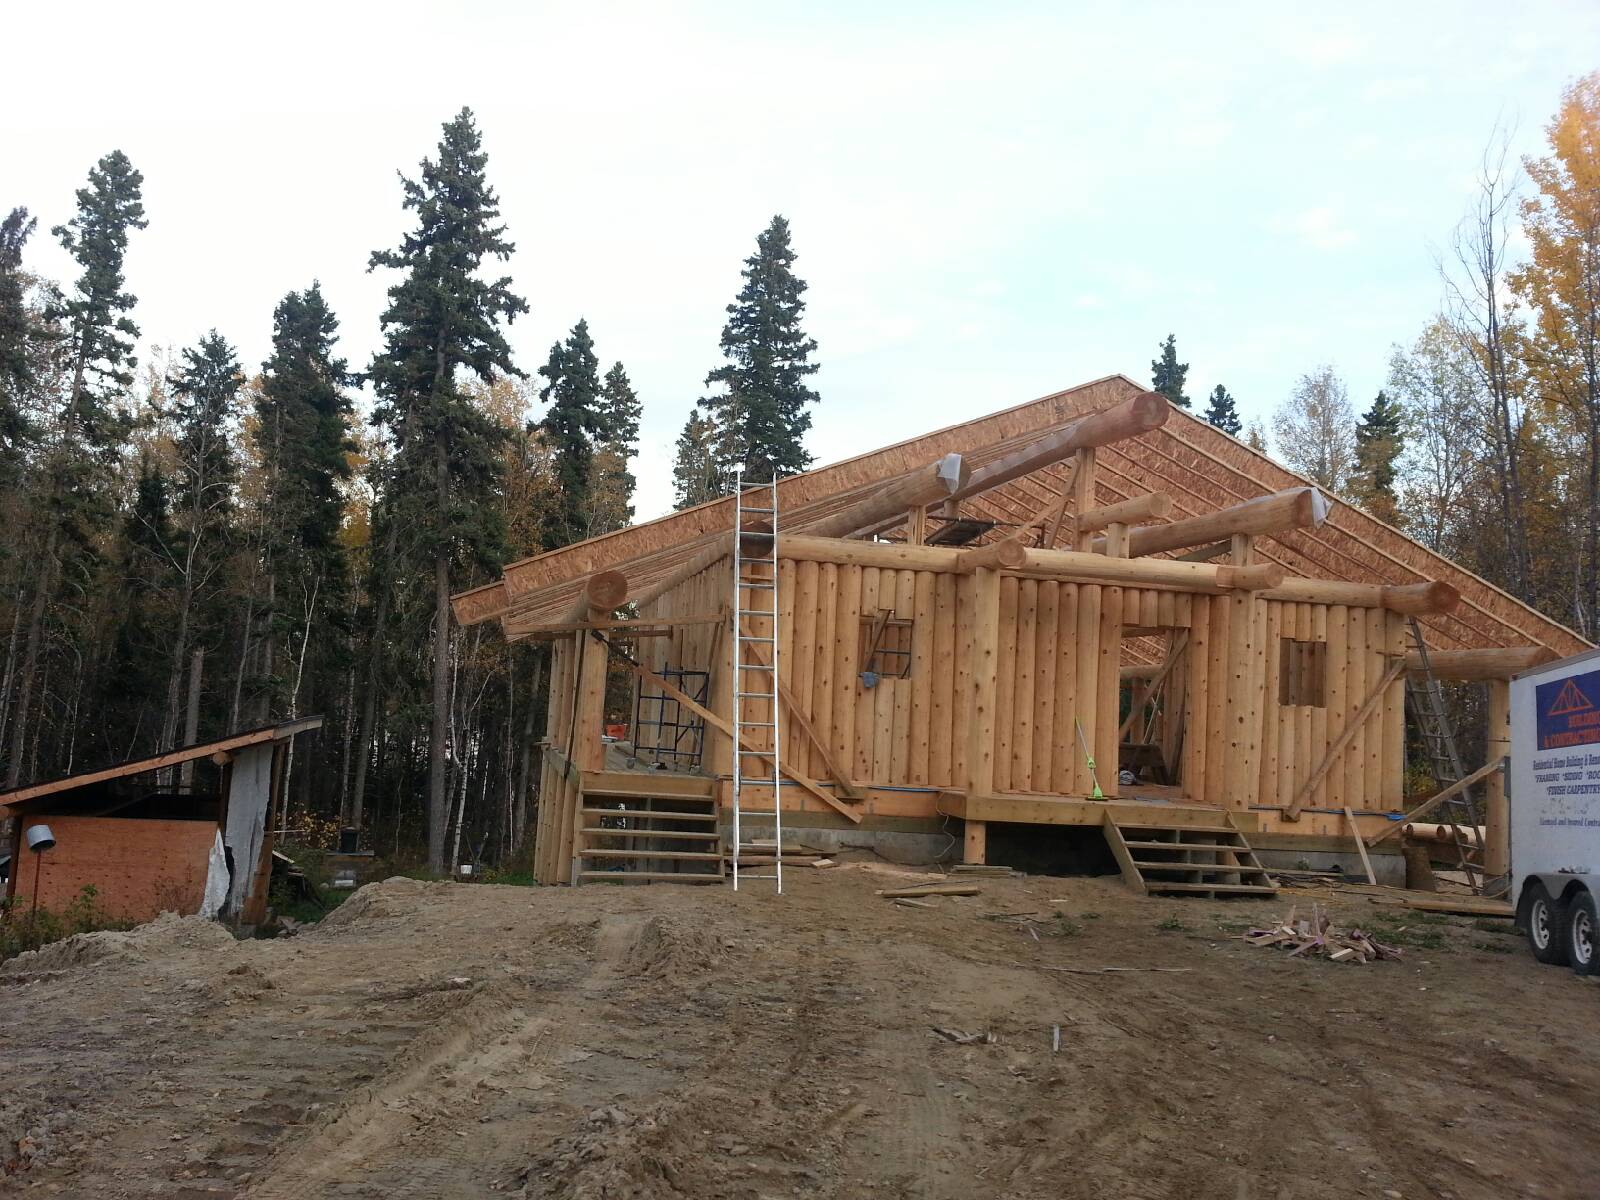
(1295, 508)
(939, 480)
(1136, 415)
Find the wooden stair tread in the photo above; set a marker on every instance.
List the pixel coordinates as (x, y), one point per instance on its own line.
(1154, 875)
(649, 876)
(680, 835)
(1251, 889)
(645, 793)
(1253, 868)
(640, 812)
(1235, 847)
(689, 855)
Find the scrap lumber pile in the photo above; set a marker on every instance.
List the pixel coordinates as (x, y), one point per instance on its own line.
(1317, 937)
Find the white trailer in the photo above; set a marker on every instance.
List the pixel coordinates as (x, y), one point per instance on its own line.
(1555, 810)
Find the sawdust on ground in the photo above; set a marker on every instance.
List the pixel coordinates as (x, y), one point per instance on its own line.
(469, 1040)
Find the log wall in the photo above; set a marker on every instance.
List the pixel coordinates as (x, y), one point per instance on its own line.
(1245, 738)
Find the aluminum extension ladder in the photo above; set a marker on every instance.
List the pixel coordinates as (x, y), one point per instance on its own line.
(1462, 811)
(756, 742)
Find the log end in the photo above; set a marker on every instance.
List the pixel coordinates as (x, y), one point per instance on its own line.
(1149, 410)
(607, 590)
(1257, 578)
(1421, 599)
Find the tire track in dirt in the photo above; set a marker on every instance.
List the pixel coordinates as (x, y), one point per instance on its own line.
(488, 1039)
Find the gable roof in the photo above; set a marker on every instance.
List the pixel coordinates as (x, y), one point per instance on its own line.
(1199, 466)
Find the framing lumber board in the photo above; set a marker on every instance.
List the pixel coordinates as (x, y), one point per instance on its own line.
(1463, 906)
(270, 733)
(837, 773)
(1342, 742)
(1438, 798)
(636, 626)
(1361, 845)
(711, 718)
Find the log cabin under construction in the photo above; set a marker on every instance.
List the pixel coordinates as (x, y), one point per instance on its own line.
(979, 630)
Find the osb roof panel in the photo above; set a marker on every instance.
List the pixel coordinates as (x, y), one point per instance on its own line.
(1200, 467)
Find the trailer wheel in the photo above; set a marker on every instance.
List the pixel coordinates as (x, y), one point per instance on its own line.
(1583, 934)
(1543, 919)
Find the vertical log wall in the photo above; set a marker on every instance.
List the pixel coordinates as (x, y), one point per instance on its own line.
(1058, 650)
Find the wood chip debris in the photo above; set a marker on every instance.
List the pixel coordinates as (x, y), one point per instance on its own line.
(962, 1038)
(1316, 936)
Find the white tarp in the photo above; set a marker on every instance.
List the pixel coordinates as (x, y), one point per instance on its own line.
(216, 893)
(249, 792)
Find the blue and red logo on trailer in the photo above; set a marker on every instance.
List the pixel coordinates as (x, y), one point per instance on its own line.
(1569, 711)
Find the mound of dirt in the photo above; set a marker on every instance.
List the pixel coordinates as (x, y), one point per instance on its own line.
(656, 948)
(167, 934)
(392, 897)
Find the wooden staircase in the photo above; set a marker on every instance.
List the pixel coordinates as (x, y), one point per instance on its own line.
(660, 829)
(1186, 859)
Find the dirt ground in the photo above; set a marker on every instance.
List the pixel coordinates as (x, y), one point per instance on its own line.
(462, 1041)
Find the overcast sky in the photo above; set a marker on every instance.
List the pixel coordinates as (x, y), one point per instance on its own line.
(990, 202)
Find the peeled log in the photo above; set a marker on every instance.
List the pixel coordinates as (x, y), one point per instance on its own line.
(1420, 599)
(602, 594)
(1256, 578)
(1140, 414)
(936, 481)
(1412, 599)
(1138, 508)
(1493, 663)
(1008, 554)
(1083, 567)
(1296, 508)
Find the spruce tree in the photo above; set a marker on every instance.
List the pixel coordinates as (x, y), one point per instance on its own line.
(1379, 439)
(205, 396)
(1221, 412)
(442, 319)
(761, 415)
(98, 350)
(302, 431)
(696, 477)
(572, 423)
(135, 682)
(16, 332)
(614, 482)
(1167, 373)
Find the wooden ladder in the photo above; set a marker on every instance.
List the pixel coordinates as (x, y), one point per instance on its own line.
(1209, 860)
(631, 834)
